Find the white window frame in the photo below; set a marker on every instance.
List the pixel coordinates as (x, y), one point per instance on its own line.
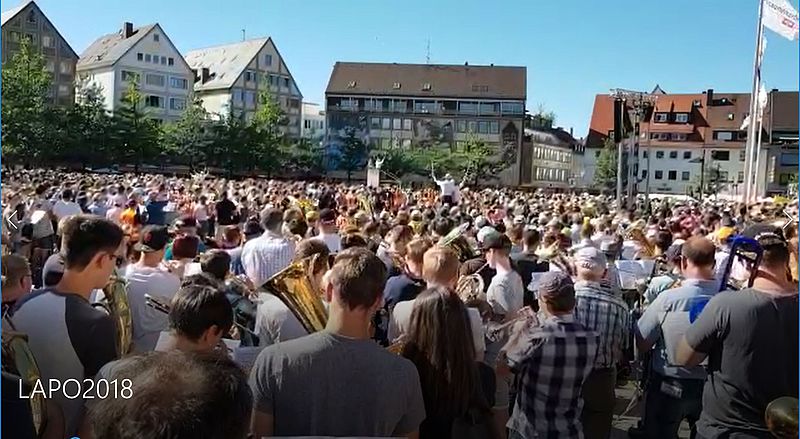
(178, 78)
(268, 59)
(49, 38)
(660, 117)
(162, 101)
(682, 117)
(678, 136)
(155, 75)
(62, 70)
(172, 101)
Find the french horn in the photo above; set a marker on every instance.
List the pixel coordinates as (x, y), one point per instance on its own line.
(455, 241)
(17, 359)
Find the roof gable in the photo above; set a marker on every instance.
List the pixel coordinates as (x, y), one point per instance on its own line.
(11, 13)
(225, 63)
(108, 49)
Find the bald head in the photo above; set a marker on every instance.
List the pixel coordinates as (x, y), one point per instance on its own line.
(699, 251)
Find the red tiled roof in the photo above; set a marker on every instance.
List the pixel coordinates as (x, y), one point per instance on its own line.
(671, 128)
(602, 114)
(677, 103)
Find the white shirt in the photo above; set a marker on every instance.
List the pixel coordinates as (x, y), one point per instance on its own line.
(505, 293)
(400, 321)
(448, 187)
(332, 240)
(275, 322)
(200, 212)
(148, 322)
(266, 255)
(66, 208)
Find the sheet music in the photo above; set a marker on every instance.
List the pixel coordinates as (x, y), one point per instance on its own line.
(631, 271)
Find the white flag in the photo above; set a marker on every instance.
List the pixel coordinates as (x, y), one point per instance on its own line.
(781, 18)
(763, 98)
(745, 123)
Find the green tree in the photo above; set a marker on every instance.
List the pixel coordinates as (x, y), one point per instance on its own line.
(267, 134)
(352, 152)
(605, 174)
(136, 133)
(25, 86)
(88, 137)
(190, 138)
(303, 156)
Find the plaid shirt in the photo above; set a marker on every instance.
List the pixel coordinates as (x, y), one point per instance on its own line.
(599, 310)
(552, 364)
(265, 256)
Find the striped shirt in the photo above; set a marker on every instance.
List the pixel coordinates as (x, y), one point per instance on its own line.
(601, 311)
(265, 256)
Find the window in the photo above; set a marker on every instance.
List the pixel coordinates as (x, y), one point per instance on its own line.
(789, 159)
(163, 60)
(726, 136)
(426, 107)
(155, 58)
(386, 123)
(129, 76)
(722, 176)
(480, 88)
(177, 103)
(397, 124)
(682, 117)
(673, 154)
(140, 56)
(47, 41)
(740, 177)
(268, 59)
(147, 57)
(155, 37)
(15, 36)
(170, 61)
(494, 128)
(32, 17)
(63, 90)
(396, 86)
(512, 108)
(407, 124)
(249, 98)
(645, 153)
(672, 175)
(154, 101)
(678, 136)
(181, 83)
(375, 123)
(741, 155)
(426, 86)
(461, 126)
(237, 97)
(156, 80)
(731, 116)
(659, 136)
(467, 108)
(286, 82)
(483, 127)
(249, 76)
(65, 67)
(722, 156)
(659, 154)
(661, 117)
(687, 155)
(659, 175)
(644, 173)
(473, 127)
(685, 176)
(400, 106)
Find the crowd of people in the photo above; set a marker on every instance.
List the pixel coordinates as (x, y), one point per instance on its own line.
(426, 312)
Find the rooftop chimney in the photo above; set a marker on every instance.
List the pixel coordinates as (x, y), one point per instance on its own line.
(204, 75)
(570, 132)
(709, 97)
(127, 29)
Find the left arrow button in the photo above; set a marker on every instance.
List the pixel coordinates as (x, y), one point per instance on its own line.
(10, 220)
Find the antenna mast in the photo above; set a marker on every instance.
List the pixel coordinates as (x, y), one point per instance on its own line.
(428, 52)
(244, 35)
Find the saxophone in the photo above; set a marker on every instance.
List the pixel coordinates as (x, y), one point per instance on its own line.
(115, 302)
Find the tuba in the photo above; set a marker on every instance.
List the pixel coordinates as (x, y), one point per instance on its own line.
(455, 241)
(294, 287)
(18, 360)
(115, 302)
(649, 250)
(781, 417)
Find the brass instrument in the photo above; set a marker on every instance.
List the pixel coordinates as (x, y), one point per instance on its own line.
(18, 360)
(554, 254)
(455, 241)
(115, 302)
(294, 287)
(781, 417)
(648, 249)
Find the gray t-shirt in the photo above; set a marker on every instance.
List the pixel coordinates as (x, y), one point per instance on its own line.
(328, 385)
(751, 340)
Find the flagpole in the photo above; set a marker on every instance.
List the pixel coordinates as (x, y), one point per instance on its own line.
(758, 159)
(751, 129)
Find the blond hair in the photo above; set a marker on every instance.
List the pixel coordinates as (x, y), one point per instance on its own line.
(439, 265)
(15, 267)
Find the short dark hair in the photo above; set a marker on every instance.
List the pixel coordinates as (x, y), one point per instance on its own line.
(195, 308)
(351, 240)
(176, 395)
(531, 238)
(216, 262)
(663, 240)
(359, 276)
(699, 251)
(84, 236)
(442, 226)
(271, 219)
(315, 251)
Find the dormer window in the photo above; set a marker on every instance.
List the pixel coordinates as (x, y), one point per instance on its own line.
(661, 117)
(352, 84)
(155, 37)
(696, 103)
(426, 86)
(396, 86)
(682, 117)
(32, 17)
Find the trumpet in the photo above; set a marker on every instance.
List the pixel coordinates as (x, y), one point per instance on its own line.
(160, 304)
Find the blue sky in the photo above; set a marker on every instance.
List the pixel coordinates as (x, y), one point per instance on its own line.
(573, 49)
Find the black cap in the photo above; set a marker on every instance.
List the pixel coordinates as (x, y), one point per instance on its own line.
(327, 216)
(152, 239)
(765, 234)
(496, 240)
